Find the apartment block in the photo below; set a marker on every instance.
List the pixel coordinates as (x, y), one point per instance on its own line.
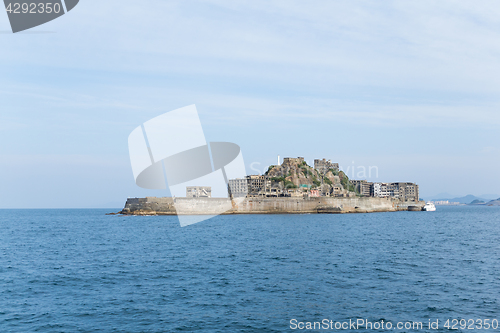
(363, 187)
(238, 187)
(402, 190)
(198, 192)
(252, 185)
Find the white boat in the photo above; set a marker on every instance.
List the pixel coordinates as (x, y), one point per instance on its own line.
(429, 207)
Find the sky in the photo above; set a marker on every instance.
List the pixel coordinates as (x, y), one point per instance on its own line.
(410, 89)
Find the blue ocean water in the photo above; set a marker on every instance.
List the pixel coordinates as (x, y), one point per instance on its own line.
(82, 271)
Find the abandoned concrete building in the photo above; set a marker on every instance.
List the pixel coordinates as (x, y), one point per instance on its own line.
(269, 186)
(324, 165)
(198, 192)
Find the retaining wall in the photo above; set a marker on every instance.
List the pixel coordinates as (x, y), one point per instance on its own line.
(211, 206)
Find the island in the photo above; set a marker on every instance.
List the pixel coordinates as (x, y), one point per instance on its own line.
(290, 187)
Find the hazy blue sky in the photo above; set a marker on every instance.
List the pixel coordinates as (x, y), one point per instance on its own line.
(409, 87)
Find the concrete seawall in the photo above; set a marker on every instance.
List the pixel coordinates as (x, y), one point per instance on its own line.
(210, 206)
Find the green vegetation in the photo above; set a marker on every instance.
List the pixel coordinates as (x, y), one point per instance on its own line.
(344, 180)
(356, 190)
(269, 169)
(312, 175)
(306, 171)
(316, 182)
(286, 183)
(335, 172)
(278, 179)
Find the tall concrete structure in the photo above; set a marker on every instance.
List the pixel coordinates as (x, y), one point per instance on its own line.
(324, 165)
(385, 190)
(198, 192)
(402, 191)
(252, 185)
(291, 160)
(258, 183)
(408, 191)
(363, 187)
(238, 188)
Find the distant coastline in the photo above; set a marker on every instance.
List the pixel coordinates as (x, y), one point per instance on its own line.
(474, 202)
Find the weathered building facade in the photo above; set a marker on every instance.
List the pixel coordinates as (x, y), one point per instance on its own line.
(363, 187)
(295, 178)
(324, 165)
(238, 188)
(250, 186)
(403, 191)
(198, 192)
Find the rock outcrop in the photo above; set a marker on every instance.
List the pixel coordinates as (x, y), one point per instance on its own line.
(295, 172)
(494, 202)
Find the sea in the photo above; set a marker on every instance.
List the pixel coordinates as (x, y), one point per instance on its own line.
(80, 270)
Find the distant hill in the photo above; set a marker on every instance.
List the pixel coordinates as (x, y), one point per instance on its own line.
(487, 199)
(463, 200)
(490, 196)
(440, 195)
(477, 202)
(494, 202)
